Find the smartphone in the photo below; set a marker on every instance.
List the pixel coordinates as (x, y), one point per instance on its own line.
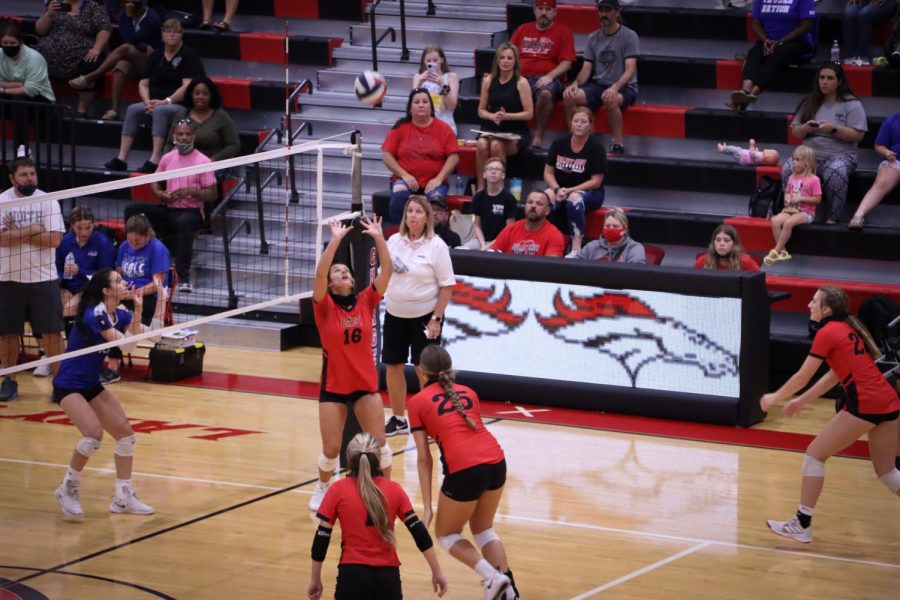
(813, 123)
(65, 7)
(432, 68)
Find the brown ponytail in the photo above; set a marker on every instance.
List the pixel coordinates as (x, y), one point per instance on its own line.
(836, 299)
(435, 362)
(362, 458)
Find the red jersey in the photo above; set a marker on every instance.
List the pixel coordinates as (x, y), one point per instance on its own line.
(515, 239)
(542, 51)
(868, 392)
(348, 364)
(747, 263)
(461, 446)
(421, 151)
(361, 544)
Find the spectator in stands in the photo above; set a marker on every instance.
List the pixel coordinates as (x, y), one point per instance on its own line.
(231, 7)
(214, 131)
(29, 287)
(73, 42)
(751, 155)
(90, 251)
(139, 28)
(547, 51)
(420, 151)
(170, 70)
(801, 195)
(832, 121)
(143, 262)
(574, 172)
(615, 245)
(23, 76)
(179, 213)
(725, 252)
(785, 37)
(608, 76)
(887, 144)
(534, 235)
(859, 18)
(506, 107)
(415, 301)
(442, 222)
(494, 207)
(442, 84)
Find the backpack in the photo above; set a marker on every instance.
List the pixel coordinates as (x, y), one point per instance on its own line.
(768, 198)
(876, 313)
(462, 225)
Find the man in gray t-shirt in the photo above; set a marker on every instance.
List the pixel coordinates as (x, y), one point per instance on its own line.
(608, 76)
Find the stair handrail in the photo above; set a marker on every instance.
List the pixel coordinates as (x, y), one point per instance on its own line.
(404, 52)
(292, 105)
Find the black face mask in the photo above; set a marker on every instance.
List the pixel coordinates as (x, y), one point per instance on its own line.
(11, 51)
(27, 190)
(346, 302)
(815, 326)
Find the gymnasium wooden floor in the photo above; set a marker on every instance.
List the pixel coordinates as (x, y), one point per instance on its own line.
(587, 512)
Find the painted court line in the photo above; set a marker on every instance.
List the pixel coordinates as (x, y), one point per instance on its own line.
(641, 571)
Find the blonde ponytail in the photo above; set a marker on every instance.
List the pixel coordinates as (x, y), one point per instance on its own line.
(362, 453)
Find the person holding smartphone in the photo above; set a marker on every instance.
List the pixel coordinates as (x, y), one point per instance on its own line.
(442, 84)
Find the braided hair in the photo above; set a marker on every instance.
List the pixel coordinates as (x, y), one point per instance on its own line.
(435, 362)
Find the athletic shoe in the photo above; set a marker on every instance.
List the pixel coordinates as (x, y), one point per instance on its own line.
(9, 390)
(316, 501)
(116, 165)
(42, 370)
(110, 115)
(185, 286)
(23, 151)
(109, 376)
(396, 426)
(791, 529)
(129, 504)
(148, 167)
(67, 496)
(617, 150)
(495, 586)
(511, 593)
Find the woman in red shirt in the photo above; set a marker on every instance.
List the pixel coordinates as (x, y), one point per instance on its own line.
(366, 504)
(871, 406)
(725, 252)
(474, 471)
(349, 379)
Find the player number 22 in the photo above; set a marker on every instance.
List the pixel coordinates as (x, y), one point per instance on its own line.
(353, 336)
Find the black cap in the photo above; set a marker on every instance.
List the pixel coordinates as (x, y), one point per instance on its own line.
(439, 200)
(613, 4)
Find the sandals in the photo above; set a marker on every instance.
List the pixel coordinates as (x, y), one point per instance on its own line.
(856, 223)
(736, 107)
(79, 83)
(743, 97)
(110, 115)
(205, 25)
(773, 257)
(222, 26)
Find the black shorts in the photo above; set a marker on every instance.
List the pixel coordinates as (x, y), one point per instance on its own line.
(364, 582)
(469, 484)
(873, 418)
(349, 399)
(593, 95)
(89, 393)
(399, 335)
(37, 303)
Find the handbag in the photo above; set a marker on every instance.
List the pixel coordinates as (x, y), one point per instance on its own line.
(768, 198)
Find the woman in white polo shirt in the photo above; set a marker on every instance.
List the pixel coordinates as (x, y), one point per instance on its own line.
(415, 300)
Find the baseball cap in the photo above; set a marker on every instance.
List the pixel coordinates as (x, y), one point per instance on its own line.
(439, 200)
(550, 3)
(613, 4)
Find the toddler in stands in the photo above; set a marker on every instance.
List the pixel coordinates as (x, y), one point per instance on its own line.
(802, 192)
(751, 155)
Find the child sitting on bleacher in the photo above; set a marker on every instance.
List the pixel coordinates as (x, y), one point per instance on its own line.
(751, 155)
(802, 192)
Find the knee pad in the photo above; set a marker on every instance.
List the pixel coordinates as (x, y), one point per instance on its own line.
(446, 542)
(387, 457)
(483, 538)
(326, 464)
(813, 467)
(125, 446)
(891, 480)
(88, 446)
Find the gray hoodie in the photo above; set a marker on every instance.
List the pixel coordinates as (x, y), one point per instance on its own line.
(629, 252)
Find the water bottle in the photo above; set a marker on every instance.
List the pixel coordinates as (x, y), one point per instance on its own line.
(835, 52)
(70, 260)
(515, 188)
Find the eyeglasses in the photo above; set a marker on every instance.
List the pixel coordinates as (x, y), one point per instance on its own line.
(420, 90)
(184, 122)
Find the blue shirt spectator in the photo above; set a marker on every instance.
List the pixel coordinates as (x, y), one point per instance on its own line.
(145, 33)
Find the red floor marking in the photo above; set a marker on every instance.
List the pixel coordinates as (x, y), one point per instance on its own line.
(683, 430)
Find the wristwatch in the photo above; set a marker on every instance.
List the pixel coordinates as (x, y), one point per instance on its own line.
(833, 130)
(437, 318)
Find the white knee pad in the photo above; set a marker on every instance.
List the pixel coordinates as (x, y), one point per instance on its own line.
(88, 446)
(125, 446)
(483, 538)
(813, 467)
(326, 464)
(387, 457)
(891, 479)
(446, 542)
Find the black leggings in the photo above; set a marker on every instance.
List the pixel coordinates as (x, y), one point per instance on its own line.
(761, 69)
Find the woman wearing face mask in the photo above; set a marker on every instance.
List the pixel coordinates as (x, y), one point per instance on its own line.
(614, 245)
(91, 251)
(23, 77)
(180, 210)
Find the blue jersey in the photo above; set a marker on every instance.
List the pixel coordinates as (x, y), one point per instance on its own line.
(138, 266)
(84, 371)
(98, 253)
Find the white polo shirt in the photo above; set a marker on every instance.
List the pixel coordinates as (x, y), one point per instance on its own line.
(421, 269)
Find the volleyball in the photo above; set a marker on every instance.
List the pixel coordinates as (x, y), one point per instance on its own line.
(370, 87)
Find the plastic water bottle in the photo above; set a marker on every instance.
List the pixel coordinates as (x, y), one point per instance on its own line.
(515, 188)
(70, 260)
(835, 52)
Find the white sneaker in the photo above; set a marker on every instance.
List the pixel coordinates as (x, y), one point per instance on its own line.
(67, 496)
(22, 151)
(791, 529)
(511, 593)
(129, 504)
(495, 587)
(318, 495)
(42, 370)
